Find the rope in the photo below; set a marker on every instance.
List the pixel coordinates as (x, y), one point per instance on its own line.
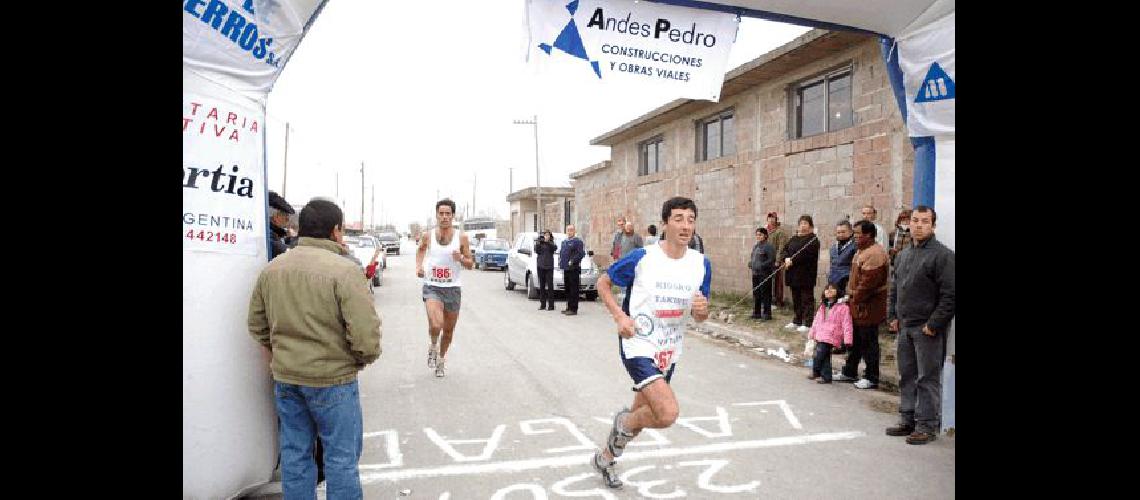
(814, 237)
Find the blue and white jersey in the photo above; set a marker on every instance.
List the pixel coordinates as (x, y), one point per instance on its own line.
(659, 296)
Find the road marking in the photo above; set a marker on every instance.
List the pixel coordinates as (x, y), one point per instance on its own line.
(571, 460)
(783, 406)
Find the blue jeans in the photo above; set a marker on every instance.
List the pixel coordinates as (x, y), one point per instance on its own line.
(333, 413)
(821, 363)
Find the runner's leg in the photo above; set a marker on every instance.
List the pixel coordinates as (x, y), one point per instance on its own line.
(435, 323)
(449, 320)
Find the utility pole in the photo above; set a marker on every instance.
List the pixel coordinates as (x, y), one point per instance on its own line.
(537, 182)
(373, 207)
(361, 196)
(285, 177)
(473, 193)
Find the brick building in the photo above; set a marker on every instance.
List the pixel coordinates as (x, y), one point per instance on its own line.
(809, 128)
(558, 210)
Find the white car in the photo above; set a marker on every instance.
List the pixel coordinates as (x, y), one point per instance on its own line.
(522, 268)
(363, 248)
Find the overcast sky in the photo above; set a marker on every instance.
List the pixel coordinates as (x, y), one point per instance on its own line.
(425, 95)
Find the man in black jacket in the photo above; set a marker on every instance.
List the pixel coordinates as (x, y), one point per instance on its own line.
(762, 264)
(279, 212)
(544, 256)
(570, 261)
(920, 309)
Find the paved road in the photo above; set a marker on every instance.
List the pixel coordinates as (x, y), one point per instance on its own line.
(529, 394)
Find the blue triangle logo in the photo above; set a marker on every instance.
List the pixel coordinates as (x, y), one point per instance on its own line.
(937, 86)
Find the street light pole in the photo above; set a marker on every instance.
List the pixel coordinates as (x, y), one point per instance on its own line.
(285, 176)
(537, 181)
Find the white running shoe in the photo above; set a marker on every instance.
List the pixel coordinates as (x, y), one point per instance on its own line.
(790, 325)
(803, 329)
(439, 368)
(433, 356)
(865, 384)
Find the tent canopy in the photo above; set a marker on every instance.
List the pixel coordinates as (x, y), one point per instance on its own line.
(885, 17)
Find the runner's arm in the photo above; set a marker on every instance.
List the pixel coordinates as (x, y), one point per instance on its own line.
(623, 321)
(466, 259)
(421, 251)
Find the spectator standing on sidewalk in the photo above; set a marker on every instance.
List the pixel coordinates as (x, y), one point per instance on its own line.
(652, 238)
(629, 240)
(868, 292)
(311, 311)
(778, 236)
(870, 214)
(841, 254)
(831, 328)
(762, 263)
(615, 248)
(921, 306)
(570, 257)
(900, 237)
(544, 249)
(278, 234)
(801, 263)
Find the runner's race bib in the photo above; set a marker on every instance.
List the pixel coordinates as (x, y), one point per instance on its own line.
(440, 275)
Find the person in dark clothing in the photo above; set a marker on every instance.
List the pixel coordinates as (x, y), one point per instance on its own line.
(697, 243)
(868, 292)
(841, 254)
(544, 251)
(762, 264)
(570, 262)
(920, 308)
(778, 237)
(278, 235)
(801, 262)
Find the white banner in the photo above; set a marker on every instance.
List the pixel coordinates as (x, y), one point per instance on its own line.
(223, 190)
(243, 44)
(926, 57)
(674, 50)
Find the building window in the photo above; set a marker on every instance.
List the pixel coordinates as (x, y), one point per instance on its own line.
(822, 104)
(567, 210)
(535, 218)
(716, 136)
(651, 156)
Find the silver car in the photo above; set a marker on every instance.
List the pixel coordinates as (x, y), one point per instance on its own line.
(522, 268)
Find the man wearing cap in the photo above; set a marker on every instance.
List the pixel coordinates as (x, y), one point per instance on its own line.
(279, 212)
(778, 237)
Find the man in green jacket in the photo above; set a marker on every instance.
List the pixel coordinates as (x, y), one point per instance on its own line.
(312, 311)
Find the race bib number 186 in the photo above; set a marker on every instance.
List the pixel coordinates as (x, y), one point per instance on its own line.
(441, 274)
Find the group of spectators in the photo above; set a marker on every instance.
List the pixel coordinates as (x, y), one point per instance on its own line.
(904, 278)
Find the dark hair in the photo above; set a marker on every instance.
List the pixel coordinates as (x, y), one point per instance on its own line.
(844, 222)
(905, 214)
(447, 202)
(808, 219)
(652, 230)
(318, 219)
(677, 202)
(867, 227)
(823, 294)
(924, 208)
(762, 230)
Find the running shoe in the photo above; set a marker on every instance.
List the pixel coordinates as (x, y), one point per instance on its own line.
(439, 368)
(619, 436)
(607, 470)
(433, 356)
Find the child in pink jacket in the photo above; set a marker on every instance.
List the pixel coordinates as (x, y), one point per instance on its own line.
(831, 328)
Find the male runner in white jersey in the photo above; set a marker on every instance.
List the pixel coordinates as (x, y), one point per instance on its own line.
(441, 253)
(663, 282)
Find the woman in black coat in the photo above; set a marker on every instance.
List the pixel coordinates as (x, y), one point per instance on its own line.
(544, 249)
(801, 272)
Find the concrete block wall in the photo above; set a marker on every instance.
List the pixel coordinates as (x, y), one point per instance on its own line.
(828, 176)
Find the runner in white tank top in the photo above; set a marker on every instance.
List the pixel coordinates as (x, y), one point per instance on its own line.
(441, 254)
(664, 283)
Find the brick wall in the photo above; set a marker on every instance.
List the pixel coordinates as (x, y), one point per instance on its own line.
(828, 176)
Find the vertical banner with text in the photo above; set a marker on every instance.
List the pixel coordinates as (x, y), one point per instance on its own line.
(223, 194)
(676, 51)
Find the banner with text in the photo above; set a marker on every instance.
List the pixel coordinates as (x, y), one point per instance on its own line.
(676, 50)
(223, 193)
(243, 44)
(926, 58)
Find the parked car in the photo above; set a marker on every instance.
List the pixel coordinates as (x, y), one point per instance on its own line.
(522, 268)
(491, 253)
(391, 242)
(363, 248)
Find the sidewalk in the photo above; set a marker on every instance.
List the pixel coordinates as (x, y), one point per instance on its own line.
(772, 339)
